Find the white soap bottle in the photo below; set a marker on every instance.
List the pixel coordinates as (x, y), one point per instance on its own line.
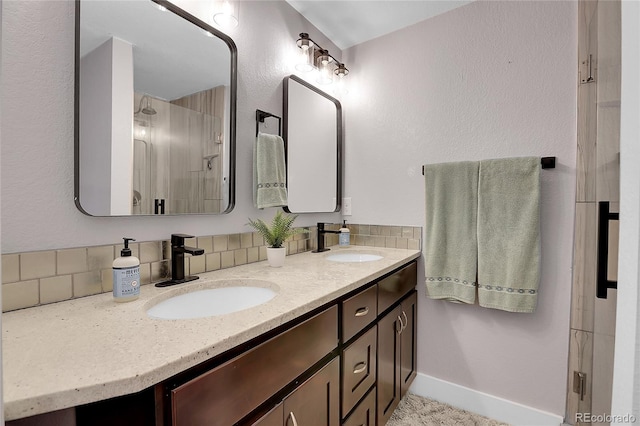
(345, 235)
(126, 275)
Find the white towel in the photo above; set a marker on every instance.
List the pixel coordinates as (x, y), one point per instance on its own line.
(269, 172)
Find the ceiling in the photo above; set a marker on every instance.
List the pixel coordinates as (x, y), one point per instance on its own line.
(350, 22)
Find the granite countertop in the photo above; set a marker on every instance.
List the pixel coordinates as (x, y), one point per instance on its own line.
(89, 349)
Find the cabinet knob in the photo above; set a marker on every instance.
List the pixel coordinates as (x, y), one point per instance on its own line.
(359, 367)
(401, 326)
(406, 320)
(360, 312)
(293, 419)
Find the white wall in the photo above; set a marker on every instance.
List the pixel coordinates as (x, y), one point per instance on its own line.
(491, 79)
(37, 153)
(106, 107)
(626, 380)
(121, 127)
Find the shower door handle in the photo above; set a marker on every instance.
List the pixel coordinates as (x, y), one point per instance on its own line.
(159, 206)
(603, 282)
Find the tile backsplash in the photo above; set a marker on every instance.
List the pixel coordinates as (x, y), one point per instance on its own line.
(41, 277)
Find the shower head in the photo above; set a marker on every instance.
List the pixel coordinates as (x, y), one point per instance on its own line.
(148, 109)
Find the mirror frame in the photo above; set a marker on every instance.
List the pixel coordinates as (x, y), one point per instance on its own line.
(339, 132)
(233, 89)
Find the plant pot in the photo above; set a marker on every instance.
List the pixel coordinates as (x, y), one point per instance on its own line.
(275, 256)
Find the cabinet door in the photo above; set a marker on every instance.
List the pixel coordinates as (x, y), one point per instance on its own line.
(388, 387)
(408, 343)
(316, 401)
(275, 417)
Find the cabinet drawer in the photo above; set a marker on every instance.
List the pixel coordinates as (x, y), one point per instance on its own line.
(359, 311)
(227, 393)
(392, 288)
(358, 369)
(365, 412)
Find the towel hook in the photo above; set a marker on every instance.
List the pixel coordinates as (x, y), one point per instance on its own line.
(260, 117)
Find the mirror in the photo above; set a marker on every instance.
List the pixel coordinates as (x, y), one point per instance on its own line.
(155, 99)
(313, 145)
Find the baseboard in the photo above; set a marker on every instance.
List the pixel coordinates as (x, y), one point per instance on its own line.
(482, 403)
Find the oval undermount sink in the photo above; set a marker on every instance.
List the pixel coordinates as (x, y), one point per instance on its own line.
(353, 257)
(211, 302)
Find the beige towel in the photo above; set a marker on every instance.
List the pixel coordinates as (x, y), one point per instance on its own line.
(269, 172)
(509, 234)
(450, 248)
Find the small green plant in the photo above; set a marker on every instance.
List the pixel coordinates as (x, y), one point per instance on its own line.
(278, 232)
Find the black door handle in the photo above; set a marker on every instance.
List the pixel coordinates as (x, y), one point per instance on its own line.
(604, 216)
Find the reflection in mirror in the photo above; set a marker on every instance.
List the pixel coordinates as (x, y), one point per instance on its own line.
(155, 111)
(313, 137)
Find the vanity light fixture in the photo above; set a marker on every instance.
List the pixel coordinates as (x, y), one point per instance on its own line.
(312, 56)
(305, 57)
(226, 14)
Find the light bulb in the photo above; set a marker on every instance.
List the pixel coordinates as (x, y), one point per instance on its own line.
(227, 16)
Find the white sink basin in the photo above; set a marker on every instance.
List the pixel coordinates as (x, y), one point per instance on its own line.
(211, 302)
(352, 257)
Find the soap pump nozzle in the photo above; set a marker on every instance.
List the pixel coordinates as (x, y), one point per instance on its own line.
(126, 251)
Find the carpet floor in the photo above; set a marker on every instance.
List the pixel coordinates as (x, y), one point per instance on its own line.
(414, 410)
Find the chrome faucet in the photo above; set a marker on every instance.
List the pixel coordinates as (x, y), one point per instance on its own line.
(320, 240)
(178, 249)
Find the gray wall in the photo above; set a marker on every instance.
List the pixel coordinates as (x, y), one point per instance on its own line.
(488, 80)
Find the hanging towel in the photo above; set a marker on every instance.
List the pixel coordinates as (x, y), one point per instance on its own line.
(509, 234)
(450, 249)
(269, 172)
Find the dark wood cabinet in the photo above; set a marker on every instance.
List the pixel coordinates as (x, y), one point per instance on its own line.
(227, 393)
(396, 356)
(314, 402)
(365, 413)
(408, 343)
(358, 369)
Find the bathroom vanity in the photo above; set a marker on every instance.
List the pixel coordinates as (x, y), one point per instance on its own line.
(336, 346)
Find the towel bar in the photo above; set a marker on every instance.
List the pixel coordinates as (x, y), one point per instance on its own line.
(261, 115)
(545, 163)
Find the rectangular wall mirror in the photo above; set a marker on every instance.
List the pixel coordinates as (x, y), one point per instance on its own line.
(155, 111)
(313, 136)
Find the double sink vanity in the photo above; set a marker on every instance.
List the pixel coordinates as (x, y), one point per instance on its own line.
(319, 341)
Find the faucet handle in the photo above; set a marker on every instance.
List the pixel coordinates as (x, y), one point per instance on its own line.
(178, 239)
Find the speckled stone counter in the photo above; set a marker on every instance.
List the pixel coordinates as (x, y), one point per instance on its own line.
(84, 350)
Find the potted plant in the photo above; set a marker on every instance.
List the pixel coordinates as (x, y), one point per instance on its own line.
(275, 235)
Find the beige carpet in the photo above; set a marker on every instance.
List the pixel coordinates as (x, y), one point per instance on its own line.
(414, 410)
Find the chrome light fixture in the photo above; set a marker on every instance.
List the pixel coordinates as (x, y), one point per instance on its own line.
(312, 56)
(305, 55)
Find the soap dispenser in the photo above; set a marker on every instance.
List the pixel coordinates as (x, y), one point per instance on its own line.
(345, 235)
(126, 275)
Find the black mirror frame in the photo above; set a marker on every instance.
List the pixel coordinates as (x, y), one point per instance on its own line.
(340, 131)
(233, 50)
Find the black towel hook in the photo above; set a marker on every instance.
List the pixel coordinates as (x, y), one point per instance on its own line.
(261, 115)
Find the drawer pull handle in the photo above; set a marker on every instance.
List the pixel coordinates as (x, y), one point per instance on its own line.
(362, 311)
(359, 367)
(293, 419)
(401, 325)
(406, 320)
